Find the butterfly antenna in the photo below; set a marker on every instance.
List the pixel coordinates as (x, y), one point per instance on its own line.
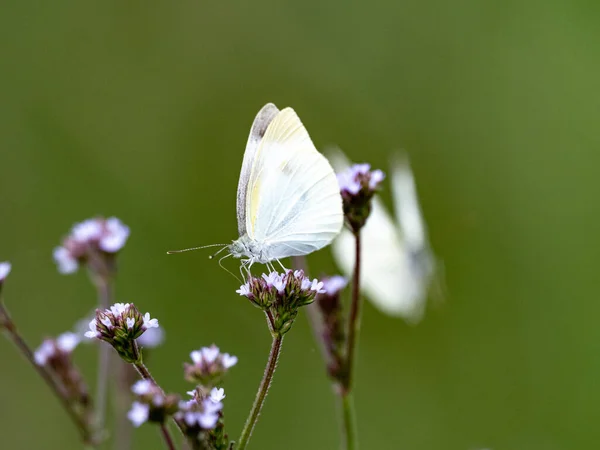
(171, 252)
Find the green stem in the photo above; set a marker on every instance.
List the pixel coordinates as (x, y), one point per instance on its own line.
(261, 395)
(7, 324)
(349, 432)
(350, 441)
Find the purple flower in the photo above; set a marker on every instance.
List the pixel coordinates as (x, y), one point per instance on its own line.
(152, 338)
(281, 294)
(139, 413)
(53, 349)
(209, 366)
(91, 237)
(334, 284)
(4, 270)
(200, 413)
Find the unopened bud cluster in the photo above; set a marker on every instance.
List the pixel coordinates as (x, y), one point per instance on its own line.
(333, 332)
(120, 326)
(280, 295)
(209, 366)
(358, 184)
(151, 404)
(93, 242)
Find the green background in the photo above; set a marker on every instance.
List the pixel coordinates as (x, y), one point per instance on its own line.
(141, 110)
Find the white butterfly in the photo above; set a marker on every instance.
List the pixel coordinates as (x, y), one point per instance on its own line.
(397, 264)
(288, 199)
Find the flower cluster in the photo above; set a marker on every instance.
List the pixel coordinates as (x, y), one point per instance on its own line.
(55, 356)
(209, 366)
(4, 271)
(280, 296)
(120, 326)
(151, 404)
(92, 241)
(358, 184)
(201, 412)
(333, 332)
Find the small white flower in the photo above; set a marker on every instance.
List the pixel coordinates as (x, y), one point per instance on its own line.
(275, 280)
(210, 354)
(150, 323)
(196, 356)
(139, 413)
(67, 342)
(229, 360)
(66, 263)
(217, 394)
(317, 286)
(208, 420)
(4, 270)
(115, 237)
(119, 308)
(106, 322)
(130, 322)
(93, 333)
(44, 352)
(152, 338)
(244, 290)
(192, 393)
(208, 406)
(142, 387)
(87, 230)
(305, 285)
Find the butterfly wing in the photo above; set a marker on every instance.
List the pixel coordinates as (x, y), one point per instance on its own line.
(293, 202)
(388, 277)
(257, 132)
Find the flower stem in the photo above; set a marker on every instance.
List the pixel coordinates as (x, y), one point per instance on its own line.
(350, 441)
(345, 389)
(261, 395)
(105, 295)
(7, 324)
(355, 316)
(146, 375)
(167, 436)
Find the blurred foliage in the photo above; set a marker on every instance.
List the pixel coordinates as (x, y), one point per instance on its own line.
(142, 109)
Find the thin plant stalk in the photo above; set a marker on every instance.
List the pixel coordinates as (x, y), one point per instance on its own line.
(7, 324)
(167, 436)
(146, 375)
(105, 297)
(349, 431)
(124, 431)
(261, 395)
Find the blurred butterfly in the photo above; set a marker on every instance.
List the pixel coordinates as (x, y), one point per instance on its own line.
(397, 264)
(288, 198)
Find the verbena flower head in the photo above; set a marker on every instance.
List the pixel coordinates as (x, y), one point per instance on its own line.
(151, 404)
(56, 349)
(120, 326)
(55, 356)
(199, 414)
(358, 184)
(4, 271)
(280, 295)
(209, 366)
(93, 242)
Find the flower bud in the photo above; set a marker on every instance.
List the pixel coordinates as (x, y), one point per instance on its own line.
(151, 404)
(209, 366)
